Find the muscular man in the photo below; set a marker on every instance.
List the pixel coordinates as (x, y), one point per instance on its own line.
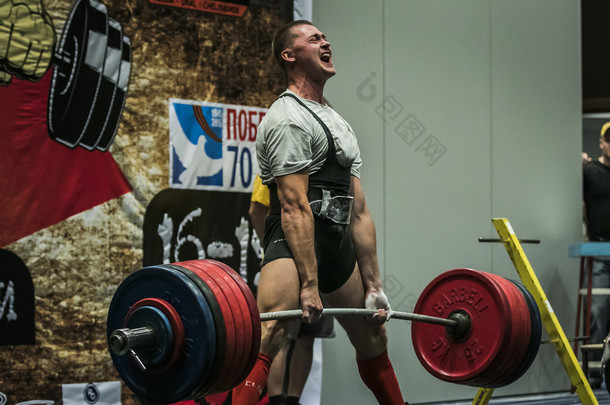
(596, 191)
(291, 366)
(319, 237)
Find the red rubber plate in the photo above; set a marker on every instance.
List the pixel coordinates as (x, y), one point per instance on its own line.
(228, 359)
(521, 315)
(518, 343)
(244, 312)
(503, 358)
(174, 319)
(471, 291)
(219, 328)
(254, 315)
(535, 336)
(243, 326)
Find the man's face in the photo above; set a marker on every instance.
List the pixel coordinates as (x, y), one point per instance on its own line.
(311, 51)
(605, 147)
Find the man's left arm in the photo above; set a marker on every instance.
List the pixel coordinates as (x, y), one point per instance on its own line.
(365, 247)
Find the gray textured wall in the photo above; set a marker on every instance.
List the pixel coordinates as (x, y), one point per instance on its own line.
(464, 110)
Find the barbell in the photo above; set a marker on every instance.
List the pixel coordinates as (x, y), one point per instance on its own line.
(91, 67)
(190, 329)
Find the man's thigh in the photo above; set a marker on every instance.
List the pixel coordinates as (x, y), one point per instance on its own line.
(279, 286)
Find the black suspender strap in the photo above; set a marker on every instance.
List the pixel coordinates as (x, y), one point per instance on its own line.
(331, 143)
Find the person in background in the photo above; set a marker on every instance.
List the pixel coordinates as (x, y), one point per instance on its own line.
(596, 195)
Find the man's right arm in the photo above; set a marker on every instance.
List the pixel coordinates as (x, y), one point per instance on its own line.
(258, 214)
(298, 227)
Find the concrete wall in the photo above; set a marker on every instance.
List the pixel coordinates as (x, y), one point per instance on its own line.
(464, 110)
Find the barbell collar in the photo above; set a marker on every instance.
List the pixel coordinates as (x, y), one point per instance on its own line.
(461, 330)
(121, 341)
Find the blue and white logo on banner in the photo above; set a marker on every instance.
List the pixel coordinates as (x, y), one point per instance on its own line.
(197, 154)
(212, 146)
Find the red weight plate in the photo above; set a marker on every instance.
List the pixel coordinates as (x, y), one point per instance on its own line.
(243, 333)
(244, 312)
(522, 324)
(238, 321)
(511, 354)
(473, 292)
(254, 315)
(502, 360)
(228, 358)
(535, 336)
(220, 331)
(174, 320)
(522, 312)
(519, 339)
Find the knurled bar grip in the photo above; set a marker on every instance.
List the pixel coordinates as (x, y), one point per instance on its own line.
(297, 313)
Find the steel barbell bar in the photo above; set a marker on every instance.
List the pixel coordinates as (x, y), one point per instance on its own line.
(126, 340)
(297, 313)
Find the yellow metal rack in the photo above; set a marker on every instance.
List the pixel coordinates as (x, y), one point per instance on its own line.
(549, 319)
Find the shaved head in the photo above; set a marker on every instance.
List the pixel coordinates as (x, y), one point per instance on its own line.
(283, 39)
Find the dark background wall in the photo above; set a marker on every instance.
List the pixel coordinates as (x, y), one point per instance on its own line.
(595, 55)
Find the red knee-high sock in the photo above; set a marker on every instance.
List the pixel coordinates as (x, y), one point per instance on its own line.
(378, 374)
(249, 390)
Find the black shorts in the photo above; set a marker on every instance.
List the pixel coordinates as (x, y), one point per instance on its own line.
(333, 246)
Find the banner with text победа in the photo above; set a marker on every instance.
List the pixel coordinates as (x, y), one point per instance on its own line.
(212, 146)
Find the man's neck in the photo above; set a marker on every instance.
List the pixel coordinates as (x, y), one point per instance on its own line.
(604, 160)
(307, 89)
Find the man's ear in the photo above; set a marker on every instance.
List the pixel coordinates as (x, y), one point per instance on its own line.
(288, 55)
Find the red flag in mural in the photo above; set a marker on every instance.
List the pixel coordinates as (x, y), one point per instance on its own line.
(41, 181)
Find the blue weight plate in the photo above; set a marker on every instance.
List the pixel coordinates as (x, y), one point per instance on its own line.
(607, 377)
(206, 385)
(185, 376)
(535, 336)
